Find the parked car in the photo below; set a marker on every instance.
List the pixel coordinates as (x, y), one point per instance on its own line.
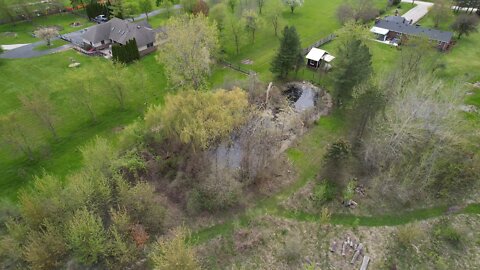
(100, 19)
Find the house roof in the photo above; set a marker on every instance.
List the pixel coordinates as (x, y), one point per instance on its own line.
(315, 54)
(398, 19)
(378, 30)
(414, 30)
(328, 58)
(121, 31)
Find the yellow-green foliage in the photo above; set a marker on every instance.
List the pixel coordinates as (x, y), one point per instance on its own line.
(199, 118)
(86, 237)
(45, 249)
(174, 253)
(187, 55)
(43, 202)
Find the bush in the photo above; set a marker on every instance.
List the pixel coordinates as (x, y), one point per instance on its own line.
(323, 192)
(87, 237)
(338, 150)
(45, 249)
(349, 190)
(394, 2)
(409, 234)
(292, 249)
(443, 230)
(142, 205)
(174, 253)
(219, 192)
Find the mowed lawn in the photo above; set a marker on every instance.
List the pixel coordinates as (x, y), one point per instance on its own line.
(313, 21)
(51, 75)
(22, 32)
(463, 60)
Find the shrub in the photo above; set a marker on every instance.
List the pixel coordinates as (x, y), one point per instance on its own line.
(142, 206)
(323, 192)
(292, 249)
(44, 202)
(338, 150)
(349, 190)
(174, 253)
(45, 249)
(219, 192)
(87, 237)
(443, 230)
(409, 234)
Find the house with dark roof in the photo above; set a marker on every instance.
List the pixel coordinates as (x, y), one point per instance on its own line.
(116, 31)
(396, 29)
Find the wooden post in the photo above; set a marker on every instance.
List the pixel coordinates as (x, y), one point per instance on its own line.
(268, 93)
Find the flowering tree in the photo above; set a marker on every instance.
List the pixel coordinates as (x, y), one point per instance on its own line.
(46, 34)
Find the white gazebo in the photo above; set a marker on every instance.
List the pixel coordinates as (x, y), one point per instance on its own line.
(316, 56)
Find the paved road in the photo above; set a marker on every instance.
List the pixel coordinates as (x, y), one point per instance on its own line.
(416, 13)
(28, 51)
(155, 12)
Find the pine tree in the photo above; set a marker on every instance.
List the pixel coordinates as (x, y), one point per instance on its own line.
(289, 56)
(353, 66)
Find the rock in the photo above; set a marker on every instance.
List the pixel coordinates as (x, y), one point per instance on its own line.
(469, 108)
(74, 65)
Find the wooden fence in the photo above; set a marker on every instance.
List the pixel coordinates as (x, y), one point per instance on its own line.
(319, 43)
(236, 67)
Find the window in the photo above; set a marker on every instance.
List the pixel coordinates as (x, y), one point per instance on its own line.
(149, 45)
(103, 42)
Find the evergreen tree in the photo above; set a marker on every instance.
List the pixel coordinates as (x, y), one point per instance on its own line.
(353, 66)
(289, 56)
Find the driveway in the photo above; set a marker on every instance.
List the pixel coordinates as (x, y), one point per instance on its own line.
(155, 12)
(416, 13)
(27, 50)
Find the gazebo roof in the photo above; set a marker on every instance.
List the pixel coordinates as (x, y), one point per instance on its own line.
(315, 54)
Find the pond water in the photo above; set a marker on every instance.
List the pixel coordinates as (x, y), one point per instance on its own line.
(302, 96)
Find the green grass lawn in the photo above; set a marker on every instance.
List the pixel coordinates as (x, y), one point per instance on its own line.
(463, 60)
(51, 74)
(54, 44)
(313, 21)
(22, 32)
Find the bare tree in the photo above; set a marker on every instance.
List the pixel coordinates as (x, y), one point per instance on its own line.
(260, 4)
(117, 84)
(39, 105)
(86, 96)
(274, 14)
(15, 134)
(235, 30)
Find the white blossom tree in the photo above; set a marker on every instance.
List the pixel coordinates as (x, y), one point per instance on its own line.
(46, 33)
(292, 4)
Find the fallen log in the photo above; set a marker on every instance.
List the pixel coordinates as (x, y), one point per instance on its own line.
(365, 262)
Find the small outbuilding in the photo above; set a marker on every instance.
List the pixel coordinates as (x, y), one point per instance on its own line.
(318, 57)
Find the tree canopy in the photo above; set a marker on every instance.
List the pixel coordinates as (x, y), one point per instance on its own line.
(289, 56)
(190, 49)
(199, 118)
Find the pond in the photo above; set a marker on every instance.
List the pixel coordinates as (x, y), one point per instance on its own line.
(301, 96)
